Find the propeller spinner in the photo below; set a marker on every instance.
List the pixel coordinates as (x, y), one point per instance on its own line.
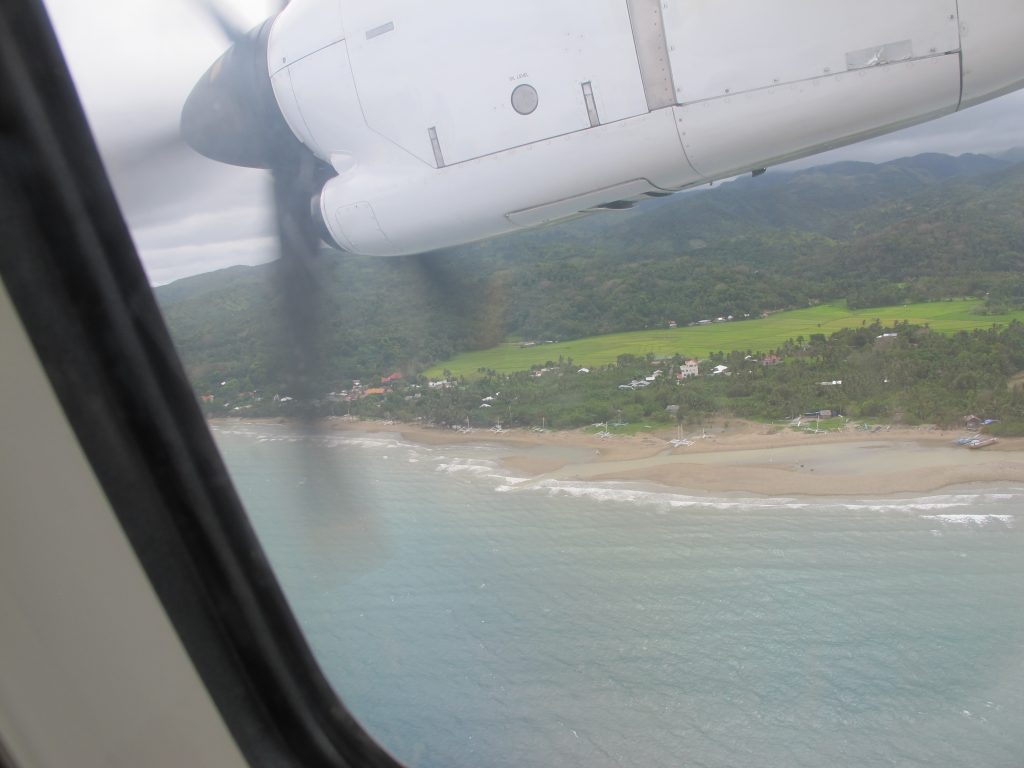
(231, 115)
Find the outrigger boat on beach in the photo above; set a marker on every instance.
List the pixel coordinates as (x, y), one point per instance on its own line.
(981, 442)
(976, 441)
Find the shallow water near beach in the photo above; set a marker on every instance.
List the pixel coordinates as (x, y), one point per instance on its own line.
(471, 618)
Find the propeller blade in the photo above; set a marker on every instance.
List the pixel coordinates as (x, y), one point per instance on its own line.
(232, 116)
(301, 297)
(152, 174)
(231, 31)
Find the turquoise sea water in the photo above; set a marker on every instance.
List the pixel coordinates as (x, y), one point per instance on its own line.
(471, 619)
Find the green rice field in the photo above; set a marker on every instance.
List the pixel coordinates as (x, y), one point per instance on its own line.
(760, 335)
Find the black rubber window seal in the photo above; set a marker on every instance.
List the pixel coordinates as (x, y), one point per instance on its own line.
(71, 269)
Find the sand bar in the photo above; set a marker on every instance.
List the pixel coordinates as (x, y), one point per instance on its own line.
(741, 456)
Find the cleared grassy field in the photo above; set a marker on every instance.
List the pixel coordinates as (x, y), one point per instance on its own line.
(758, 335)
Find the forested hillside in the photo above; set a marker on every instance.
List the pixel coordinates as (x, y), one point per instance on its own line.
(920, 228)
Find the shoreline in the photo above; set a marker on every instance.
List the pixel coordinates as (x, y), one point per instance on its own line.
(735, 456)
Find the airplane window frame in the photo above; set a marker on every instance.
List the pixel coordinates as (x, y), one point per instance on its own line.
(71, 269)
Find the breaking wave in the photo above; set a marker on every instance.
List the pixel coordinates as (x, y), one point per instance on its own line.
(1007, 520)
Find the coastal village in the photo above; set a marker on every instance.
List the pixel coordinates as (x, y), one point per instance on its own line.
(636, 395)
(396, 382)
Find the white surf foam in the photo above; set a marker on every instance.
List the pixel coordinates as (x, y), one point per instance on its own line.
(454, 466)
(617, 492)
(477, 469)
(1007, 520)
(625, 493)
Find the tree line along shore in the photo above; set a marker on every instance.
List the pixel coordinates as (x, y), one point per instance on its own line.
(873, 374)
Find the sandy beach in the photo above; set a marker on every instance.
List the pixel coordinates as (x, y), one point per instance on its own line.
(742, 456)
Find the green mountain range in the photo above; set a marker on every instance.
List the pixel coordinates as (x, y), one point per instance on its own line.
(920, 228)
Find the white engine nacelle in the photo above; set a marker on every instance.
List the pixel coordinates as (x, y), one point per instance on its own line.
(451, 122)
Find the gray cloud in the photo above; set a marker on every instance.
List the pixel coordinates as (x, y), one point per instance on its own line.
(201, 241)
(990, 127)
(167, 264)
(134, 62)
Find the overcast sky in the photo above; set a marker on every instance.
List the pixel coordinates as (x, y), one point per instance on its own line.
(135, 61)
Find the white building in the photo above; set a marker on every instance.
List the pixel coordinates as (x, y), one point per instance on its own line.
(687, 370)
